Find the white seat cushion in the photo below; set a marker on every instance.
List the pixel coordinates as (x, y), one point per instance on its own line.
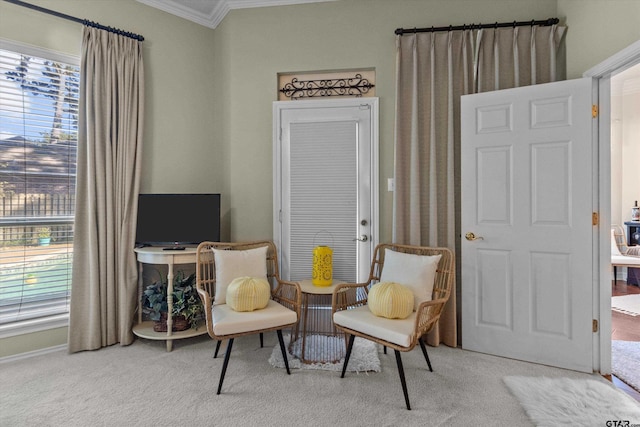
(622, 260)
(226, 321)
(361, 319)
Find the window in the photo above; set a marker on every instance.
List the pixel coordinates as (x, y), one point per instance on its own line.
(38, 138)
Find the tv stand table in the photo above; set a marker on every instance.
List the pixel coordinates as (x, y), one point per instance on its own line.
(160, 255)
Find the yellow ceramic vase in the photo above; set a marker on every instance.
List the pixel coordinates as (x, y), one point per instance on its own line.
(322, 266)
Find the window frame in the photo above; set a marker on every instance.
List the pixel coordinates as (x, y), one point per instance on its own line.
(57, 320)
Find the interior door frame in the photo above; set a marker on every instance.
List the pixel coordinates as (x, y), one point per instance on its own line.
(602, 74)
(278, 108)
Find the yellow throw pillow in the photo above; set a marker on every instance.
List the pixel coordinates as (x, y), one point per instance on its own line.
(248, 293)
(391, 300)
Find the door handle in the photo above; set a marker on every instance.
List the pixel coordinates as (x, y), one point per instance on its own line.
(362, 238)
(471, 236)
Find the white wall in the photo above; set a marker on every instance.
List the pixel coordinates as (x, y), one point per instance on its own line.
(209, 92)
(630, 148)
(345, 34)
(616, 158)
(625, 145)
(597, 29)
(182, 140)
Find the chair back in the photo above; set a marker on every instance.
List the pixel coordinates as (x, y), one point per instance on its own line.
(206, 266)
(444, 273)
(618, 241)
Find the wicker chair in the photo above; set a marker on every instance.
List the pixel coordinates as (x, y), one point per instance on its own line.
(222, 322)
(622, 255)
(352, 316)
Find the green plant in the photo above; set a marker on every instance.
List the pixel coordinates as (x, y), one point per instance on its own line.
(43, 232)
(186, 301)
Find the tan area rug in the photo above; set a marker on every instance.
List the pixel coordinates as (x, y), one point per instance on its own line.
(626, 304)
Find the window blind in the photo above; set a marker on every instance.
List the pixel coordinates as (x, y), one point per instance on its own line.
(38, 139)
(316, 191)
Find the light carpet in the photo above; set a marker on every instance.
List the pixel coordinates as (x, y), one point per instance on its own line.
(577, 402)
(364, 355)
(627, 304)
(625, 362)
(144, 385)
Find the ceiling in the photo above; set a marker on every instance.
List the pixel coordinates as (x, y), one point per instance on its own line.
(211, 12)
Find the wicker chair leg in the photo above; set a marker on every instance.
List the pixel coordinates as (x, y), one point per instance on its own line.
(261, 340)
(226, 362)
(283, 350)
(424, 351)
(348, 355)
(402, 379)
(215, 354)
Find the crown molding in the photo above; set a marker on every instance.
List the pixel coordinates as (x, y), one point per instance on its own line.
(216, 10)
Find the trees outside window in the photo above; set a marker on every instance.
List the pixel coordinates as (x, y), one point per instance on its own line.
(38, 139)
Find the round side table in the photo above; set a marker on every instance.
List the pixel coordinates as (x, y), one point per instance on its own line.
(319, 341)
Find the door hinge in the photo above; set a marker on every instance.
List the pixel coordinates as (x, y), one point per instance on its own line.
(595, 325)
(280, 215)
(594, 218)
(594, 111)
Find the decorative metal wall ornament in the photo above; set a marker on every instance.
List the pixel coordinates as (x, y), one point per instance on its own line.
(355, 86)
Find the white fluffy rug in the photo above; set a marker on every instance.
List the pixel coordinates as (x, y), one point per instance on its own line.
(627, 304)
(577, 402)
(364, 355)
(625, 362)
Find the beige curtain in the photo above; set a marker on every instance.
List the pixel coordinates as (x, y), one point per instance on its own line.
(517, 56)
(433, 70)
(104, 281)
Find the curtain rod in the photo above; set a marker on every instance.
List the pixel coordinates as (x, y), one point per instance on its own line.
(78, 20)
(544, 22)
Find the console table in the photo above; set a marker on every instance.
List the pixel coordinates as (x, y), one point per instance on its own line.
(159, 255)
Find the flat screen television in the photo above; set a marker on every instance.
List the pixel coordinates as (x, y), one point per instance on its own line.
(177, 219)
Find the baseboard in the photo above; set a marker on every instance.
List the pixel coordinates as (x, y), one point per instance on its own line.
(34, 353)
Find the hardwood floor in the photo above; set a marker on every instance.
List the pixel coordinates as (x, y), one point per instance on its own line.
(624, 328)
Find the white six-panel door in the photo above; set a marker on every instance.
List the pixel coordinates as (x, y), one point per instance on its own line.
(527, 198)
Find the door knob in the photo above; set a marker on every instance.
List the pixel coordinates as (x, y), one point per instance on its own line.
(471, 236)
(362, 238)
